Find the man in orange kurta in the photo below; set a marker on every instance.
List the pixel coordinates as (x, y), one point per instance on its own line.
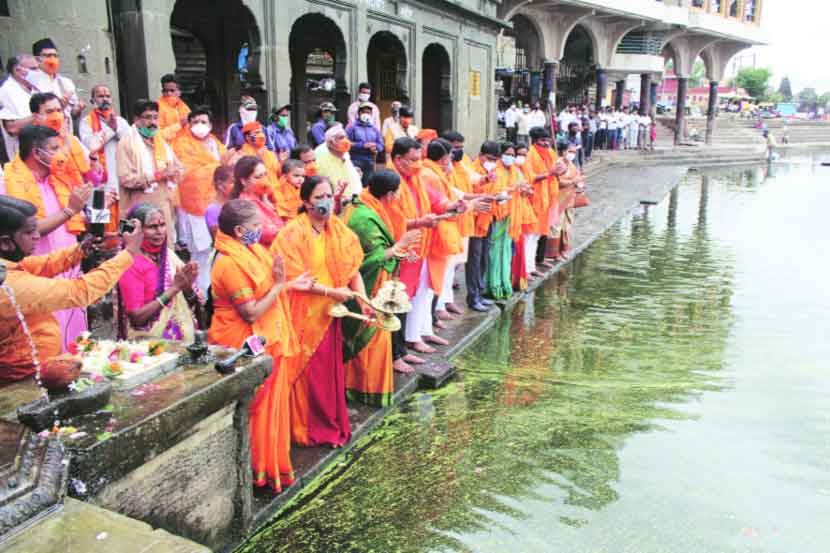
(36, 294)
(172, 109)
(201, 153)
(542, 160)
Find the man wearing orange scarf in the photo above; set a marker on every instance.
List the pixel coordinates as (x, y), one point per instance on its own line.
(479, 255)
(148, 170)
(419, 206)
(172, 109)
(201, 153)
(48, 80)
(543, 164)
(28, 177)
(100, 132)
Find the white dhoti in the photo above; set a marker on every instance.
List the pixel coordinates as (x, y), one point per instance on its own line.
(193, 231)
(447, 295)
(419, 320)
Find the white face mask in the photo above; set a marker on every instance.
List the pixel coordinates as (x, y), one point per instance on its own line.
(570, 156)
(489, 165)
(247, 116)
(507, 160)
(520, 160)
(200, 130)
(32, 76)
(365, 117)
(363, 97)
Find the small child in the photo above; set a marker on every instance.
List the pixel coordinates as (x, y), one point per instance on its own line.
(652, 134)
(223, 184)
(287, 196)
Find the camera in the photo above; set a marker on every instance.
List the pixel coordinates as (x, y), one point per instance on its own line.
(125, 226)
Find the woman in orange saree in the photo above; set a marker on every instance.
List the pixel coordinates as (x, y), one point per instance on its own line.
(251, 183)
(250, 298)
(322, 245)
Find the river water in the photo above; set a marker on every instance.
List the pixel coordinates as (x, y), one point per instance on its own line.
(668, 392)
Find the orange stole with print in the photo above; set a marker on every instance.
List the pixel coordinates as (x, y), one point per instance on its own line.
(170, 118)
(21, 183)
(196, 190)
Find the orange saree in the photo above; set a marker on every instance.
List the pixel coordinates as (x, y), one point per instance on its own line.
(316, 374)
(241, 274)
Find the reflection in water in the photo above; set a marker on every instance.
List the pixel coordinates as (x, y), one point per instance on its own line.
(562, 428)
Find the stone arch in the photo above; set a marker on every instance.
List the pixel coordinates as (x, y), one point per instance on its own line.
(318, 56)
(577, 68)
(436, 93)
(387, 70)
(530, 38)
(207, 39)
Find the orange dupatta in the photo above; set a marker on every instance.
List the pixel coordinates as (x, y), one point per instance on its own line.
(196, 190)
(446, 238)
(521, 212)
(460, 179)
(21, 183)
(483, 220)
(544, 199)
(397, 226)
(272, 166)
(406, 209)
(170, 118)
(287, 199)
(343, 257)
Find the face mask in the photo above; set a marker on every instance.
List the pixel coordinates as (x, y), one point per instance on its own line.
(51, 65)
(282, 121)
(489, 165)
(171, 101)
(247, 116)
(526, 110)
(520, 160)
(55, 121)
(251, 237)
(457, 155)
(311, 169)
(259, 140)
(329, 118)
(343, 145)
(147, 132)
(200, 130)
(261, 186)
(570, 156)
(104, 107)
(406, 121)
(52, 161)
(365, 118)
(395, 111)
(32, 77)
(324, 207)
(363, 97)
(507, 160)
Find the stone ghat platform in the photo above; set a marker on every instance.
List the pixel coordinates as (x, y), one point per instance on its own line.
(173, 453)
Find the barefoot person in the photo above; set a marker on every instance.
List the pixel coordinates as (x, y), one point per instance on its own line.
(322, 245)
(249, 299)
(367, 349)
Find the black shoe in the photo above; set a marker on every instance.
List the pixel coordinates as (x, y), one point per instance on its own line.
(485, 302)
(480, 307)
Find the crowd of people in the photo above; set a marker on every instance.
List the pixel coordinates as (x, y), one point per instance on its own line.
(608, 129)
(259, 235)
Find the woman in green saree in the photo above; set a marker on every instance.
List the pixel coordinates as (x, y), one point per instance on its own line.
(368, 349)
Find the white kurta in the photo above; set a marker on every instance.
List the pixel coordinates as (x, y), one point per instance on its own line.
(14, 100)
(110, 139)
(60, 86)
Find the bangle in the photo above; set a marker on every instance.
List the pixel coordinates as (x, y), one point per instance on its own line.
(161, 302)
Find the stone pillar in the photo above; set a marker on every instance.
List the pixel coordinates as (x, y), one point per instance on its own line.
(619, 93)
(645, 94)
(680, 120)
(653, 99)
(711, 112)
(131, 54)
(549, 83)
(602, 87)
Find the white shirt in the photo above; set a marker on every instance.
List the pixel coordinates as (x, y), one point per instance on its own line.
(110, 139)
(537, 118)
(510, 117)
(14, 105)
(523, 123)
(59, 86)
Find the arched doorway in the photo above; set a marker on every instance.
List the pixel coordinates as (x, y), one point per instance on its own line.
(436, 97)
(577, 73)
(208, 36)
(387, 69)
(516, 83)
(318, 70)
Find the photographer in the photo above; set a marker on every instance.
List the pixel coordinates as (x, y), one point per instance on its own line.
(29, 333)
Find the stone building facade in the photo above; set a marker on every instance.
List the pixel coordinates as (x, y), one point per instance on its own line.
(439, 56)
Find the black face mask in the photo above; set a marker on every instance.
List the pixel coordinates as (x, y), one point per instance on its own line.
(17, 255)
(457, 155)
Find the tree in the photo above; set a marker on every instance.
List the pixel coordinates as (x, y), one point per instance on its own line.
(774, 96)
(807, 98)
(754, 81)
(698, 73)
(786, 90)
(824, 100)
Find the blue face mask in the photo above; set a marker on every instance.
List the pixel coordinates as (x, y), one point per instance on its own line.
(507, 160)
(324, 207)
(251, 237)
